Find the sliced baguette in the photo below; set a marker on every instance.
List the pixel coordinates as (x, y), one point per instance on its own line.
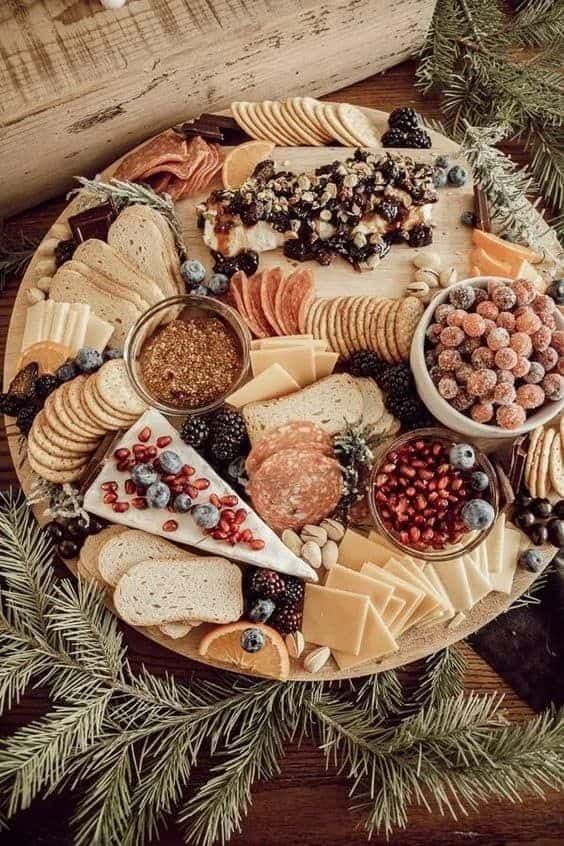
(119, 554)
(332, 403)
(153, 593)
(116, 268)
(139, 239)
(89, 554)
(108, 286)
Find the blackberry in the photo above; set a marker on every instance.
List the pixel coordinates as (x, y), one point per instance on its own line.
(230, 424)
(389, 210)
(222, 449)
(420, 236)
(409, 410)
(10, 404)
(287, 619)
(25, 418)
(405, 119)
(267, 584)
(64, 251)
(396, 379)
(394, 138)
(419, 139)
(45, 385)
(294, 593)
(247, 261)
(365, 363)
(195, 432)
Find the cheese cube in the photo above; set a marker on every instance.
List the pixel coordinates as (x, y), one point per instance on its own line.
(377, 642)
(334, 618)
(345, 579)
(271, 383)
(297, 361)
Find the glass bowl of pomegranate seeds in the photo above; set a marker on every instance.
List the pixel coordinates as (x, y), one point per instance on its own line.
(432, 494)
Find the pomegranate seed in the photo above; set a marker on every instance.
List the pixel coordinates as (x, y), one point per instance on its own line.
(150, 452)
(139, 451)
(191, 491)
(120, 507)
(215, 500)
(224, 526)
(144, 434)
(109, 486)
(139, 502)
(201, 484)
(245, 535)
(122, 466)
(257, 544)
(121, 453)
(187, 470)
(229, 500)
(170, 479)
(130, 486)
(110, 497)
(164, 441)
(170, 526)
(228, 514)
(217, 534)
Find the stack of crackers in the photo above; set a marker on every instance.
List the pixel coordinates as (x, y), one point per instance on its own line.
(348, 324)
(544, 468)
(76, 416)
(304, 121)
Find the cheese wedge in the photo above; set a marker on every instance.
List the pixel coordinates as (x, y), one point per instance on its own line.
(324, 363)
(513, 542)
(334, 618)
(497, 247)
(271, 383)
(344, 579)
(297, 361)
(453, 576)
(494, 544)
(98, 333)
(478, 585)
(377, 642)
(489, 265)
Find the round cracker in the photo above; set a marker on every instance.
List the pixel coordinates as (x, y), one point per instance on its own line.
(340, 326)
(124, 419)
(264, 116)
(299, 125)
(357, 125)
(98, 413)
(51, 461)
(381, 330)
(246, 124)
(59, 436)
(286, 120)
(116, 390)
(57, 411)
(76, 409)
(391, 329)
(361, 322)
(344, 323)
(322, 322)
(409, 314)
(331, 325)
(557, 465)
(274, 110)
(308, 117)
(305, 307)
(58, 477)
(316, 304)
(369, 320)
(531, 449)
(542, 475)
(44, 436)
(353, 323)
(533, 473)
(328, 114)
(316, 329)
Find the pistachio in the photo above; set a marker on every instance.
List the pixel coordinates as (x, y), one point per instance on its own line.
(295, 644)
(292, 541)
(316, 660)
(334, 529)
(329, 554)
(429, 276)
(429, 259)
(312, 554)
(418, 289)
(317, 534)
(448, 277)
(34, 295)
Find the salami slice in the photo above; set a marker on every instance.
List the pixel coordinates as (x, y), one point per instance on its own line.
(296, 486)
(300, 286)
(279, 307)
(236, 287)
(169, 146)
(271, 279)
(299, 433)
(251, 299)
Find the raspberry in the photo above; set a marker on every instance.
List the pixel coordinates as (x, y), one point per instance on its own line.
(487, 309)
(447, 387)
(504, 298)
(482, 412)
(506, 358)
(473, 325)
(504, 393)
(548, 358)
(530, 396)
(497, 338)
(553, 385)
(558, 341)
(527, 321)
(462, 401)
(455, 317)
(463, 372)
(525, 291)
(541, 338)
(462, 296)
(481, 382)
(506, 320)
(510, 416)
(452, 336)
(482, 358)
(449, 359)
(442, 312)
(505, 376)
(522, 367)
(535, 374)
(543, 303)
(521, 343)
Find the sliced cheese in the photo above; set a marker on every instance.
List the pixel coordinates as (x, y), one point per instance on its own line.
(271, 383)
(453, 576)
(82, 311)
(488, 264)
(431, 574)
(334, 618)
(393, 614)
(34, 322)
(496, 246)
(69, 328)
(345, 579)
(297, 361)
(324, 363)
(289, 341)
(483, 561)
(411, 595)
(494, 544)
(98, 333)
(430, 602)
(59, 321)
(355, 550)
(377, 641)
(503, 579)
(419, 575)
(478, 585)
(526, 271)
(48, 320)
(380, 540)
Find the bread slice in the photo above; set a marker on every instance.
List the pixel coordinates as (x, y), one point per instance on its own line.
(178, 630)
(90, 551)
(139, 239)
(332, 403)
(374, 409)
(115, 267)
(108, 286)
(68, 285)
(168, 591)
(119, 554)
(170, 243)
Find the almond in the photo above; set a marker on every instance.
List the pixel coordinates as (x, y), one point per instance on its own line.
(316, 660)
(329, 554)
(295, 644)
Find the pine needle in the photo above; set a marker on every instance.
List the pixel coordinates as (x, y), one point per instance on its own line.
(14, 260)
(442, 678)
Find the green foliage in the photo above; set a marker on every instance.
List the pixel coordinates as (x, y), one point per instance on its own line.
(14, 259)
(127, 743)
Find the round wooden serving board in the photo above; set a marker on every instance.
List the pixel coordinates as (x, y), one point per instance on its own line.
(451, 240)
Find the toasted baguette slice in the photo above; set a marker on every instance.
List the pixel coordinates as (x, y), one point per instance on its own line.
(108, 286)
(167, 591)
(332, 403)
(105, 259)
(119, 554)
(87, 565)
(138, 238)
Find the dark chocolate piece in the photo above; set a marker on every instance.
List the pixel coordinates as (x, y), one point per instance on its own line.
(92, 223)
(518, 461)
(218, 128)
(505, 486)
(481, 210)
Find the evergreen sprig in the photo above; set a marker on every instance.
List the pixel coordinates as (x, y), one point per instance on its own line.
(128, 742)
(15, 258)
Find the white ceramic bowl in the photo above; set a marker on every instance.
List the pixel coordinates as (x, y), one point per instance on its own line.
(440, 408)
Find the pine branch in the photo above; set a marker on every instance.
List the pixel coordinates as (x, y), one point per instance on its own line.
(442, 678)
(104, 813)
(14, 261)
(380, 696)
(539, 23)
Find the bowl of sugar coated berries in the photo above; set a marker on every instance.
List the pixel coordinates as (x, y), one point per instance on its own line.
(433, 494)
(488, 357)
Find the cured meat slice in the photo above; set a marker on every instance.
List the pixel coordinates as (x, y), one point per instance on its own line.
(299, 286)
(271, 279)
(236, 287)
(279, 309)
(251, 299)
(296, 486)
(168, 146)
(299, 433)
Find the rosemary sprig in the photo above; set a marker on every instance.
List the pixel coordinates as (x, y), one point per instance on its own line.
(14, 260)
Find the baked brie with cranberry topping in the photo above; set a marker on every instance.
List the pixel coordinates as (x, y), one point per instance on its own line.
(353, 208)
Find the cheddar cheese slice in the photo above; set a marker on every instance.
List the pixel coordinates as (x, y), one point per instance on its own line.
(377, 642)
(345, 579)
(334, 618)
(297, 361)
(271, 383)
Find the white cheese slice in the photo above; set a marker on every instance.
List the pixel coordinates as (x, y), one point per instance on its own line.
(79, 333)
(377, 641)
(453, 576)
(393, 613)
(479, 587)
(98, 333)
(430, 602)
(411, 595)
(59, 322)
(495, 544)
(34, 321)
(513, 541)
(48, 321)
(69, 328)
(431, 574)
(274, 555)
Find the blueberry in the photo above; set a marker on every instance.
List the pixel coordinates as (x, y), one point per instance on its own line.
(88, 360)
(439, 177)
(218, 283)
(182, 503)
(67, 371)
(477, 514)
(206, 516)
(462, 456)
(532, 560)
(144, 475)
(525, 520)
(200, 291)
(555, 529)
(442, 162)
(262, 610)
(192, 271)
(112, 352)
(468, 218)
(170, 462)
(236, 470)
(542, 508)
(479, 480)
(158, 495)
(252, 640)
(457, 176)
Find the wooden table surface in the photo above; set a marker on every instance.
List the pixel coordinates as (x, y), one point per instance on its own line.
(306, 804)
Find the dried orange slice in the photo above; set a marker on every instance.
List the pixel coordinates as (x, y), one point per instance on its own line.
(242, 160)
(49, 355)
(223, 644)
